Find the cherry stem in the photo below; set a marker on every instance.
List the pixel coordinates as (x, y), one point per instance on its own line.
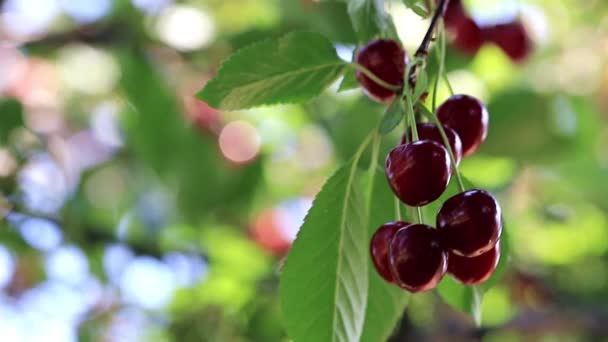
(446, 143)
(373, 77)
(412, 119)
(373, 162)
(398, 209)
(447, 82)
(441, 60)
(476, 306)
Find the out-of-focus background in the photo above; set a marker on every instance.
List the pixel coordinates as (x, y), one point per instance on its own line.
(134, 212)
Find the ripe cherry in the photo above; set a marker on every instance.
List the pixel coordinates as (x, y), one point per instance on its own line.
(417, 260)
(512, 38)
(386, 59)
(454, 14)
(476, 270)
(418, 172)
(468, 117)
(466, 36)
(428, 131)
(470, 223)
(379, 246)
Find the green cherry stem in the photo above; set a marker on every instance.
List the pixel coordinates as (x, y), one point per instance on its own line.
(447, 82)
(373, 77)
(441, 60)
(412, 118)
(398, 209)
(476, 310)
(446, 143)
(373, 162)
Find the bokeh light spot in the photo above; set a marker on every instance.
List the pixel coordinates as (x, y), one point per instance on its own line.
(185, 27)
(239, 141)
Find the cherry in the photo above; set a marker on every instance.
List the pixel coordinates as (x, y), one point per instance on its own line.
(476, 270)
(470, 223)
(418, 172)
(468, 117)
(379, 246)
(454, 14)
(512, 38)
(428, 131)
(465, 33)
(417, 260)
(466, 36)
(386, 59)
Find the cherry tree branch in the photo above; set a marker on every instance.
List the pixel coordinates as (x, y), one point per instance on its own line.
(423, 49)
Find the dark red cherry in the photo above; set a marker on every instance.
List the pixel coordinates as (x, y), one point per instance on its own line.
(468, 117)
(417, 260)
(512, 38)
(418, 172)
(454, 14)
(379, 246)
(428, 131)
(476, 270)
(470, 223)
(466, 36)
(386, 59)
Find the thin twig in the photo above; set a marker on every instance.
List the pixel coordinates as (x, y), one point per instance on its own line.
(423, 49)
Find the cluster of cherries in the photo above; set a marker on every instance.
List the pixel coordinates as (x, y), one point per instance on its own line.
(468, 36)
(466, 241)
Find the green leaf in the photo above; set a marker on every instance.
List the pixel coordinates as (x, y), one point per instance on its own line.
(324, 284)
(368, 17)
(385, 302)
(461, 297)
(392, 117)
(292, 69)
(349, 82)
(418, 7)
(11, 117)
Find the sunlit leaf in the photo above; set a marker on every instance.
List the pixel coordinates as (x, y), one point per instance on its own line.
(385, 302)
(292, 69)
(324, 282)
(349, 82)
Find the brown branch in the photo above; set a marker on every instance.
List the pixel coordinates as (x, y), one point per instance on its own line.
(423, 49)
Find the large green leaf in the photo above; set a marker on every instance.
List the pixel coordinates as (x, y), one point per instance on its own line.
(385, 302)
(324, 284)
(294, 68)
(349, 82)
(368, 17)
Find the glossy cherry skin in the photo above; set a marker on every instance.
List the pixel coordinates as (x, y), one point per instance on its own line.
(418, 172)
(468, 117)
(429, 131)
(476, 270)
(417, 260)
(386, 59)
(379, 246)
(512, 38)
(470, 223)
